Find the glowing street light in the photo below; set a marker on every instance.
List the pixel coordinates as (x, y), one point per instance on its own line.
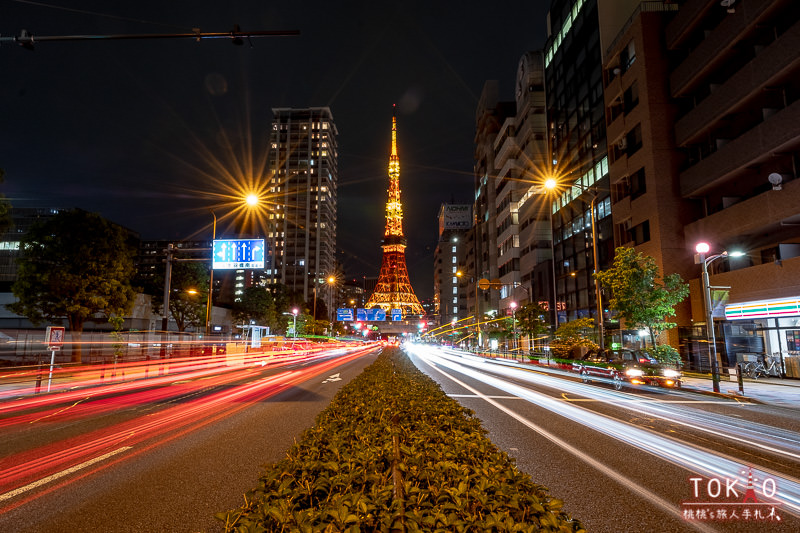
(551, 184)
(251, 200)
(513, 306)
(294, 322)
(702, 248)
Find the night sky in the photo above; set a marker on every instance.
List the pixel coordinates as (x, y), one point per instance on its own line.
(150, 133)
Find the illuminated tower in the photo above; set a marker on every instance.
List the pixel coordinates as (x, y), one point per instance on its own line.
(393, 290)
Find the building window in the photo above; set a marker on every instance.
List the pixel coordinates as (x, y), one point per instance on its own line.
(454, 249)
(633, 140)
(640, 233)
(638, 186)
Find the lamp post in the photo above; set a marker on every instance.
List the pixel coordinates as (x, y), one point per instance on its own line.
(331, 285)
(552, 184)
(294, 322)
(251, 200)
(461, 274)
(513, 306)
(211, 276)
(702, 249)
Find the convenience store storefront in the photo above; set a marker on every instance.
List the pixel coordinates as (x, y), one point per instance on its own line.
(764, 327)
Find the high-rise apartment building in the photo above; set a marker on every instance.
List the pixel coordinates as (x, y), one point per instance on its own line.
(490, 117)
(512, 219)
(301, 225)
(736, 84)
(523, 231)
(702, 108)
(647, 209)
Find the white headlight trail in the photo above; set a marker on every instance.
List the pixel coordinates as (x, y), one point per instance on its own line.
(693, 458)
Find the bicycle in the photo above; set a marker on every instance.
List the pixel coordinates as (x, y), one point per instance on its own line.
(763, 367)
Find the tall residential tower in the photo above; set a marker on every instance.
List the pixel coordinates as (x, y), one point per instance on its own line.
(302, 221)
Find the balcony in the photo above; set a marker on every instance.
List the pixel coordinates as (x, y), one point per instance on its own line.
(765, 70)
(760, 215)
(717, 47)
(690, 15)
(776, 134)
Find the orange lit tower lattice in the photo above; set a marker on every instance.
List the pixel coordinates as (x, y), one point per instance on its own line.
(394, 290)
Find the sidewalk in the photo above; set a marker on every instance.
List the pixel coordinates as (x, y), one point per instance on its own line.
(770, 391)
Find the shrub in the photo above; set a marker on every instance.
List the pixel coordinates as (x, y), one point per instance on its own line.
(393, 452)
(664, 353)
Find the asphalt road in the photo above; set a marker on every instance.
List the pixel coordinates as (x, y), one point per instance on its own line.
(631, 460)
(157, 458)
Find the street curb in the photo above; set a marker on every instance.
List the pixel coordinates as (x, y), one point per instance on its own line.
(784, 382)
(723, 395)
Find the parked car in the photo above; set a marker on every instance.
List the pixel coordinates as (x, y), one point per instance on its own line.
(626, 366)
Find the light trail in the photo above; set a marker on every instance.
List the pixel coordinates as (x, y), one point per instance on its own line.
(36, 467)
(145, 374)
(687, 456)
(761, 436)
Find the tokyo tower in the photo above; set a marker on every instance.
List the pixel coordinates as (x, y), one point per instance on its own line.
(394, 290)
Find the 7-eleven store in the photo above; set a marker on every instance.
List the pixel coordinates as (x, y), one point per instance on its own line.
(768, 327)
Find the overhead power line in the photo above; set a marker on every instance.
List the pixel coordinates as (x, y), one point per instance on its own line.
(236, 36)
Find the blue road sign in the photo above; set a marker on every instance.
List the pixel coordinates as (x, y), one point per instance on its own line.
(238, 253)
(344, 315)
(397, 314)
(371, 315)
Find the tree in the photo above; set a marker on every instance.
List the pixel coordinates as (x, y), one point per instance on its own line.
(531, 320)
(638, 296)
(189, 296)
(256, 304)
(75, 265)
(571, 336)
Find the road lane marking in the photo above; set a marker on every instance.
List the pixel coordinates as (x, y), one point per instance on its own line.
(492, 397)
(57, 475)
(624, 481)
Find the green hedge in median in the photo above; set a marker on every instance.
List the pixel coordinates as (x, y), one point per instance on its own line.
(393, 453)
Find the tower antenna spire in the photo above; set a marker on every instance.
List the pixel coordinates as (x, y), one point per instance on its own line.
(393, 290)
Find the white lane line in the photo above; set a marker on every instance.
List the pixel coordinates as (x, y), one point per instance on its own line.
(57, 475)
(492, 397)
(619, 478)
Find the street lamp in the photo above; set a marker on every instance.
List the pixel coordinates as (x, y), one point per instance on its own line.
(331, 285)
(461, 274)
(211, 275)
(251, 200)
(702, 249)
(513, 306)
(294, 322)
(551, 184)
